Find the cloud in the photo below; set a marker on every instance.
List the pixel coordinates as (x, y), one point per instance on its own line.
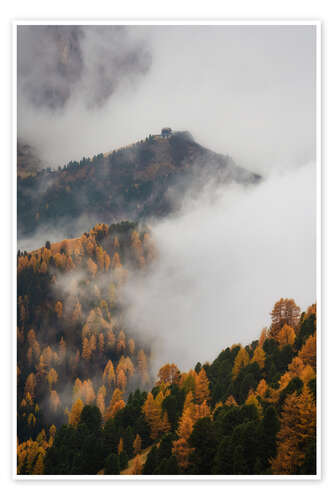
(246, 91)
(223, 264)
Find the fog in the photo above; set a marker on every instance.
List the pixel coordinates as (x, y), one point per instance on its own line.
(247, 91)
(223, 264)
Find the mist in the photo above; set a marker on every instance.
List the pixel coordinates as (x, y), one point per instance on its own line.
(243, 91)
(222, 265)
(246, 91)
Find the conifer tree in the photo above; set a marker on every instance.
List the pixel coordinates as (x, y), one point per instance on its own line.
(242, 359)
(202, 387)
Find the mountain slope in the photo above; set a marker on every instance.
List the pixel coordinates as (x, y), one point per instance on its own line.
(134, 182)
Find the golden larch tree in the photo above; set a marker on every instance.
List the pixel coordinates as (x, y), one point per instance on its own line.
(285, 311)
(298, 426)
(75, 413)
(137, 443)
(286, 336)
(259, 356)
(242, 359)
(202, 392)
(308, 352)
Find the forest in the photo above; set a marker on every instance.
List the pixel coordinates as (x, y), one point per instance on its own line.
(131, 182)
(88, 401)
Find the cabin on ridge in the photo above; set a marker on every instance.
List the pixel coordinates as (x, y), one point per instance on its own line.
(166, 132)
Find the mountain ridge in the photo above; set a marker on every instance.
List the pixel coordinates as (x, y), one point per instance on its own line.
(132, 183)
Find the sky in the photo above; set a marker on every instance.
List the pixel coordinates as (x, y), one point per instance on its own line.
(245, 91)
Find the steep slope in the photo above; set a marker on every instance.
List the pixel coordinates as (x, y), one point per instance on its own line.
(133, 183)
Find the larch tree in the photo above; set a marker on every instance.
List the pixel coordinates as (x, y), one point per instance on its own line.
(137, 444)
(168, 374)
(109, 376)
(308, 352)
(86, 350)
(137, 466)
(75, 413)
(262, 388)
(182, 451)
(263, 337)
(87, 392)
(131, 346)
(58, 309)
(285, 311)
(121, 342)
(296, 366)
(30, 385)
(230, 401)
(100, 399)
(298, 426)
(242, 359)
(52, 378)
(202, 392)
(116, 404)
(121, 380)
(259, 356)
(120, 446)
(185, 426)
(286, 335)
(101, 343)
(152, 412)
(54, 401)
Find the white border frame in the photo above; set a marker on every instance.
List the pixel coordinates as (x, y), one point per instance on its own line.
(320, 199)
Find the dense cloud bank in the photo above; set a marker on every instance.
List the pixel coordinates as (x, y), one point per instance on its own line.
(223, 264)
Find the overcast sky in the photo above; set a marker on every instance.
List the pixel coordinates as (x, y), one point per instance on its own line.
(248, 91)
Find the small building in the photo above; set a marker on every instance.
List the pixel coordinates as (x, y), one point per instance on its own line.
(166, 132)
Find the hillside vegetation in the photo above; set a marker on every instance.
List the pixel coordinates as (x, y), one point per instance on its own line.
(87, 400)
(130, 183)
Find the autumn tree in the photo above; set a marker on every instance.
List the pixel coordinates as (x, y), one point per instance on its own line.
(116, 404)
(168, 374)
(58, 309)
(100, 399)
(285, 311)
(54, 401)
(137, 466)
(75, 413)
(308, 352)
(143, 367)
(263, 337)
(182, 451)
(286, 335)
(121, 380)
(137, 444)
(242, 359)
(52, 377)
(259, 357)
(109, 376)
(202, 387)
(298, 427)
(262, 388)
(30, 385)
(86, 349)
